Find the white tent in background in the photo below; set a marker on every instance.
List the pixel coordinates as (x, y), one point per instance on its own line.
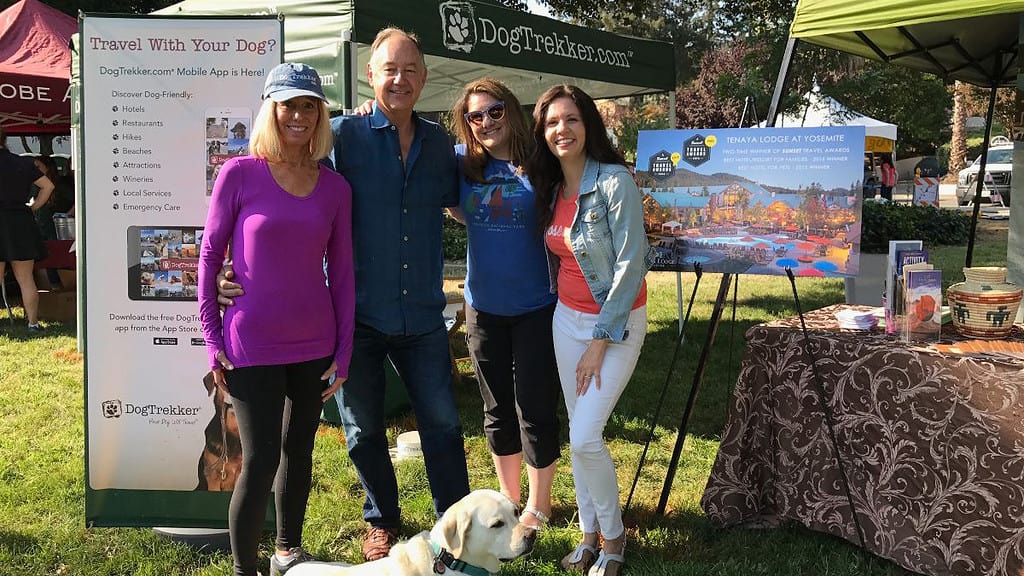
(821, 110)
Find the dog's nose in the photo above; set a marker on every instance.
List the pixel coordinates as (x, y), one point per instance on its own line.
(529, 533)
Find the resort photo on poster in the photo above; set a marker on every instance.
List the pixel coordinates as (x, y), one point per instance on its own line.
(754, 200)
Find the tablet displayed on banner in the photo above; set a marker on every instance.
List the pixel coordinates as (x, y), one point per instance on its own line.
(753, 200)
(163, 263)
(227, 135)
(165, 102)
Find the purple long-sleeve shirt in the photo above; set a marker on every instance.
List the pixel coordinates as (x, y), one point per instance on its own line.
(278, 244)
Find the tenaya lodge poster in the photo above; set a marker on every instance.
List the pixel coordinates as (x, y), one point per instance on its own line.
(754, 200)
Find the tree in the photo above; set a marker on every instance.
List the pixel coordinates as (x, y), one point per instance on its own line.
(626, 117)
(728, 74)
(681, 22)
(513, 4)
(765, 20)
(918, 103)
(958, 142)
(1005, 109)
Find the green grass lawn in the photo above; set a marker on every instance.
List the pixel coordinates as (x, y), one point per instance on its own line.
(43, 530)
(989, 250)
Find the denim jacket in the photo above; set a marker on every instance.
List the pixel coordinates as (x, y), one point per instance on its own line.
(610, 244)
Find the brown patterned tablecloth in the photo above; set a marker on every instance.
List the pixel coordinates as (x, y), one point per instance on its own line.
(933, 447)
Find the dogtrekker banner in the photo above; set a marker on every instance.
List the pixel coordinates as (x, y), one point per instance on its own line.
(164, 102)
(460, 39)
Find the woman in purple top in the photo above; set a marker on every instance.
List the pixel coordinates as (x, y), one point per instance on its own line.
(276, 349)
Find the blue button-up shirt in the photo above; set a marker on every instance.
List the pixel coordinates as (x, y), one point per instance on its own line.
(397, 212)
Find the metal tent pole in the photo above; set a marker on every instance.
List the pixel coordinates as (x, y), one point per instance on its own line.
(981, 173)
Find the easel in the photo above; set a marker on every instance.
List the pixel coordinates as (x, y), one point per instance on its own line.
(698, 376)
(714, 321)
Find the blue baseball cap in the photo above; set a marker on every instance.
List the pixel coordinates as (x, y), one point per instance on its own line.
(291, 80)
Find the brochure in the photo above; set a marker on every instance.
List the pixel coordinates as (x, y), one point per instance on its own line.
(923, 299)
(892, 280)
(904, 257)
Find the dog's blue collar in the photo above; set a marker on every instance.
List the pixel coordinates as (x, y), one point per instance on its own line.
(444, 560)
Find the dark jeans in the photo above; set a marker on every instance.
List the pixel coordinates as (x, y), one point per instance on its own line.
(514, 358)
(424, 365)
(278, 411)
(886, 192)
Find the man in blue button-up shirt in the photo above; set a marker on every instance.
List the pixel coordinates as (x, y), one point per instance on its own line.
(402, 171)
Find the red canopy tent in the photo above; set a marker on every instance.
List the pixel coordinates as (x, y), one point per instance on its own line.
(35, 67)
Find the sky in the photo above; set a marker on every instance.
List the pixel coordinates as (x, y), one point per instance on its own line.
(536, 8)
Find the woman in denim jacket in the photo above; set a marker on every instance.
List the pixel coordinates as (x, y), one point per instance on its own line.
(592, 217)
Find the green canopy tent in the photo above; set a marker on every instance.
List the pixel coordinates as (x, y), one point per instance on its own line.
(975, 41)
(462, 40)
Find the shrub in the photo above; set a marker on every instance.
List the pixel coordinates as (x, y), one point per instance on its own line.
(454, 240)
(882, 222)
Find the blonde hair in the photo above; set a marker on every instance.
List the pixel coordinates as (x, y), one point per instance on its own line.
(266, 140)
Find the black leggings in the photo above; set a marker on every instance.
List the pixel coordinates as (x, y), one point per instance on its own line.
(514, 359)
(278, 410)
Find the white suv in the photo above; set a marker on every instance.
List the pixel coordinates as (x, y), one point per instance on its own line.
(998, 166)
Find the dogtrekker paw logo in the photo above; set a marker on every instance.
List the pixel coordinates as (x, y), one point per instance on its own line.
(458, 28)
(111, 409)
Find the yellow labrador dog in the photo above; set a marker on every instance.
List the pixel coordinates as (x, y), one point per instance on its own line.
(473, 537)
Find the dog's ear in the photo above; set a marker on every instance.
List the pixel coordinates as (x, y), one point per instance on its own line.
(456, 529)
(209, 383)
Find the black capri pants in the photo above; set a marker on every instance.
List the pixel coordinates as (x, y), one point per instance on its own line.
(514, 361)
(278, 411)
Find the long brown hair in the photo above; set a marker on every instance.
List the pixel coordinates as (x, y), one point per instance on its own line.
(543, 168)
(520, 142)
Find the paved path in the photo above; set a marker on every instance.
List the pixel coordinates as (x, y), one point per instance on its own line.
(947, 199)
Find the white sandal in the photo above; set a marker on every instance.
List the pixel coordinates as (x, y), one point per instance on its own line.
(581, 559)
(536, 514)
(601, 565)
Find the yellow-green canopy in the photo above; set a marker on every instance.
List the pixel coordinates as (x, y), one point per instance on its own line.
(970, 40)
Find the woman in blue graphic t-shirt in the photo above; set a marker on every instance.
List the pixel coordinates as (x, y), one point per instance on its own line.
(510, 304)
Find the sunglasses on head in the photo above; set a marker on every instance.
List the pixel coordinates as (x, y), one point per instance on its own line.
(495, 111)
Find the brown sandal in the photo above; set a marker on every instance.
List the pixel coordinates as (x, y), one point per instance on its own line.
(580, 559)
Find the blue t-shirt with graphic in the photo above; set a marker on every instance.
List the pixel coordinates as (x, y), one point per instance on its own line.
(506, 265)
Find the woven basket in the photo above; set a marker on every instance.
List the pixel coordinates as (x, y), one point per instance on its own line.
(986, 274)
(985, 305)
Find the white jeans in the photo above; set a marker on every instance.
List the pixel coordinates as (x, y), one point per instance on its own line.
(597, 487)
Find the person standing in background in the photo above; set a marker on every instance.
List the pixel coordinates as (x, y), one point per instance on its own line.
(592, 215)
(62, 201)
(21, 243)
(888, 178)
(276, 350)
(508, 293)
